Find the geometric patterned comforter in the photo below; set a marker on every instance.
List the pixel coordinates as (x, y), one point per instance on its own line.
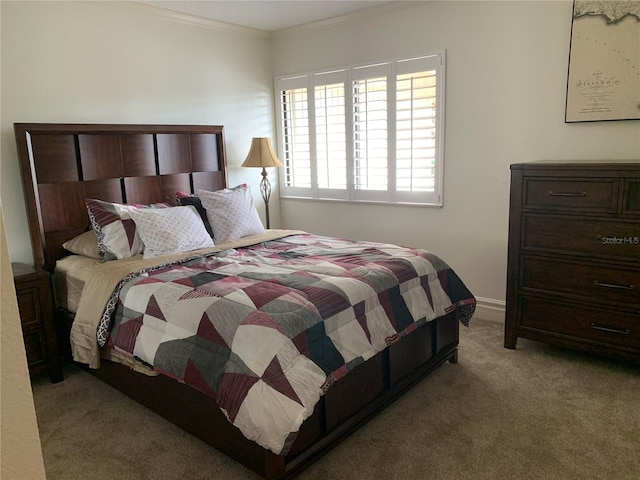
(266, 329)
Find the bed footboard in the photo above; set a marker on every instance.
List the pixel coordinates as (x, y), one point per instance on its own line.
(349, 403)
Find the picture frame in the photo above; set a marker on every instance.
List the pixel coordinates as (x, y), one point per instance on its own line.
(603, 81)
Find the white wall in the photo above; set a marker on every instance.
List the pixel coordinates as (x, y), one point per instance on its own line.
(107, 62)
(505, 96)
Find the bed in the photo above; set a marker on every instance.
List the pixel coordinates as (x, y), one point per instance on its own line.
(310, 336)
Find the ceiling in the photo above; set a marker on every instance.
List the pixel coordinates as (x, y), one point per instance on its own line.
(269, 15)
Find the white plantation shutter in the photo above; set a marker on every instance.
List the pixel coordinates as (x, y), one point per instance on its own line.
(415, 131)
(366, 133)
(370, 132)
(419, 129)
(330, 134)
(331, 148)
(294, 133)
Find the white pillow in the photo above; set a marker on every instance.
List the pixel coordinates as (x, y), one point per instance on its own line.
(231, 213)
(170, 230)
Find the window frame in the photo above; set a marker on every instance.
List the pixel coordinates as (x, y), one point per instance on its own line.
(435, 61)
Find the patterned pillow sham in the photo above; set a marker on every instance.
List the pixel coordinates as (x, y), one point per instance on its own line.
(231, 213)
(184, 199)
(170, 230)
(115, 230)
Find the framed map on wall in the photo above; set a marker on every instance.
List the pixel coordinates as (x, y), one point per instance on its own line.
(604, 61)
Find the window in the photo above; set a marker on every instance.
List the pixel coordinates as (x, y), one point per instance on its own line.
(371, 133)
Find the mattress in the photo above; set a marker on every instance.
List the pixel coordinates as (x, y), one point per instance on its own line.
(69, 278)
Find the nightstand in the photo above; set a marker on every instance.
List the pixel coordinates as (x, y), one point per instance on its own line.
(35, 303)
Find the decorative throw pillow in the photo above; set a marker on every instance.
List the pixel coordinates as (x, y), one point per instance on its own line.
(231, 213)
(84, 244)
(115, 230)
(184, 199)
(170, 230)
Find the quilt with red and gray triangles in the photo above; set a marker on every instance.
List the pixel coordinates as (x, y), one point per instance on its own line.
(266, 329)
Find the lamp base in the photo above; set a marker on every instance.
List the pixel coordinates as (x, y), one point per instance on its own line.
(265, 190)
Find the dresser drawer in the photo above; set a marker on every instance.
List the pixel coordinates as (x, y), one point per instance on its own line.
(631, 197)
(34, 345)
(582, 195)
(591, 280)
(581, 236)
(28, 304)
(581, 322)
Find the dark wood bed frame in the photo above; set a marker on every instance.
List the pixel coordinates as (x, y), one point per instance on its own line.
(62, 164)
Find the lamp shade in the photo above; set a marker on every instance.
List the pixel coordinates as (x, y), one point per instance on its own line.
(261, 154)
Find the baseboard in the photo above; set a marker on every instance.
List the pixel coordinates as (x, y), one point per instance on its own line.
(490, 309)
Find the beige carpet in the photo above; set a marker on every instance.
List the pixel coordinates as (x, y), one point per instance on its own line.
(532, 413)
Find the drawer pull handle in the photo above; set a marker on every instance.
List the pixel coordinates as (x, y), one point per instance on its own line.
(611, 285)
(610, 330)
(568, 194)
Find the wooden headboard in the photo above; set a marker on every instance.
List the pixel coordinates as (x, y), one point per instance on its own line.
(62, 164)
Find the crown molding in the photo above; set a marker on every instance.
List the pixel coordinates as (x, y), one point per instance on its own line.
(146, 9)
(350, 17)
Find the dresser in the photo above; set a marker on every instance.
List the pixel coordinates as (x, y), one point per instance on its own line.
(35, 305)
(573, 275)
